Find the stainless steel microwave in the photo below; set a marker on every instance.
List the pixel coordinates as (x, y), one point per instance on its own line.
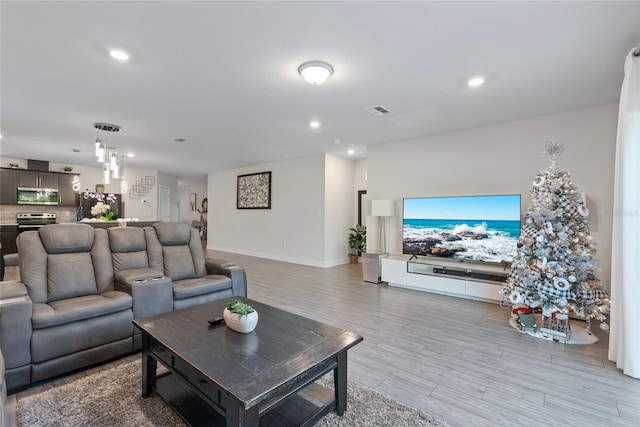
(38, 196)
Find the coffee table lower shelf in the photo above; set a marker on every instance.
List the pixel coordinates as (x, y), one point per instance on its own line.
(305, 408)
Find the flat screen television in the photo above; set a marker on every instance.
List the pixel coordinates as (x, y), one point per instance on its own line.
(466, 228)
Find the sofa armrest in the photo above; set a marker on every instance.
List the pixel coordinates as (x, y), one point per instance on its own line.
(237, 275)
(220, 262)
(15, 324)
(151, 291)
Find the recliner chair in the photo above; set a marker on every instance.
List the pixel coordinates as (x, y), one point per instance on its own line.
(78, 317)
(177, 250)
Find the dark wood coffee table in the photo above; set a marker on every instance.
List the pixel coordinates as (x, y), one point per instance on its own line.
(220, 377)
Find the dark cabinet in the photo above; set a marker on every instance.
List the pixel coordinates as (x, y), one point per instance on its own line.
(37, 179)
(66, 195)
(8, 236)
(8, 184)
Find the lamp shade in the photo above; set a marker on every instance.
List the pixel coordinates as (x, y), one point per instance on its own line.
(382, 208)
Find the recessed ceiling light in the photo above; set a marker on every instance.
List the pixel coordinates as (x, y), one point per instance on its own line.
(129, 155)
(475, 81)
(337, 142)
(120, 55)
(314, 124)
(351, 152)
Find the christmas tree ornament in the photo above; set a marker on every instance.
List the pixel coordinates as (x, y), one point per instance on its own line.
(554, 270)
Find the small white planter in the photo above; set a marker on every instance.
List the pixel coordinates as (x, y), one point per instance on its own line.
(245, 324)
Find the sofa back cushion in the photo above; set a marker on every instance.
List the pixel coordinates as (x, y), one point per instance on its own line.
(70, 275)
(128, 248)
(178, 262)
(181, 250)
(66, 238)
(63, 261)
(172, 233)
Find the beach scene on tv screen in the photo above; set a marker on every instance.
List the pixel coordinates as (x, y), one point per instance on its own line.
(473, 228)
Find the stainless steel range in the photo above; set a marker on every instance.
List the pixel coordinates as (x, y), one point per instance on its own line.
(34, 220)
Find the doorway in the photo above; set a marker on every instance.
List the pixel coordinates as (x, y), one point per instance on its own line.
(164, 199)
(361, 213)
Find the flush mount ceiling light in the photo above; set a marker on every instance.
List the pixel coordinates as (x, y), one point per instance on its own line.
(315, 72)
(120, 55)
(475, 81)
(314, 124)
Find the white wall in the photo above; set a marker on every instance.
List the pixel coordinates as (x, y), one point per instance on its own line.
(502, 159)
(292, 230)
(339, 195)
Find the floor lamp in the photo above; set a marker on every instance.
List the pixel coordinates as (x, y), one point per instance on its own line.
(382, 209)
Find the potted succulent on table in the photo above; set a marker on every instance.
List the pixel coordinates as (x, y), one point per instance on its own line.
(240, 317)
(357, 242)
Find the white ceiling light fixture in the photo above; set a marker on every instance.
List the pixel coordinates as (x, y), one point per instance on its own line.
(315, 72)
(314, 124)
(475, 81)
(120, 55)
(351, 152)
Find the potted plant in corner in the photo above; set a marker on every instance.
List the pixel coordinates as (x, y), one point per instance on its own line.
(357, 242)
(240, 317)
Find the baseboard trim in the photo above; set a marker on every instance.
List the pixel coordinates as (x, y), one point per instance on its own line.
(277, 257)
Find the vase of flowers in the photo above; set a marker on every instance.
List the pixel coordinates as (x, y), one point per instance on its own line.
(101, 209)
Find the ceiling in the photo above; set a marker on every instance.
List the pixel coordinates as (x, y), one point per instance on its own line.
(223, 75)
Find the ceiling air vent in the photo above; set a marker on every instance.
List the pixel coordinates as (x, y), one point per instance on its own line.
(377, 111)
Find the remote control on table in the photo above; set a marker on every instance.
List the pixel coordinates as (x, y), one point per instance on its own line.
(216, 321)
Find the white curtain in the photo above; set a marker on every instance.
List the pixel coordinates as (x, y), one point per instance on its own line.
(624, 340)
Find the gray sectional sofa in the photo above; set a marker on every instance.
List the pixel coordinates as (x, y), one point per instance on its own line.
(82, 287)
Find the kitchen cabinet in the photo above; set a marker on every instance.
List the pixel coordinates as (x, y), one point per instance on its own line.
(8, 236)
(37, 179)
(8, 184)
(66, 195)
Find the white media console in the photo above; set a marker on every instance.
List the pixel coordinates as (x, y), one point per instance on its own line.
(446, 276)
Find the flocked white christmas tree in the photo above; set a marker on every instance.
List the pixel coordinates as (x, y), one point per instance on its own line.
(554, 270)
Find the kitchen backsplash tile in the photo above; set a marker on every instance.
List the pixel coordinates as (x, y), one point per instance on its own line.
(8, 212)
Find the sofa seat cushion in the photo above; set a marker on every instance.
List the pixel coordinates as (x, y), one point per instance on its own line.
(80, 308)
(75, 337)
(188, 288)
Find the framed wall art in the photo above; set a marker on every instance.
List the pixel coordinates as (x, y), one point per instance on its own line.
(254, 191)
(193, 197)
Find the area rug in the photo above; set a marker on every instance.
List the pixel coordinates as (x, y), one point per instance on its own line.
(113, 398)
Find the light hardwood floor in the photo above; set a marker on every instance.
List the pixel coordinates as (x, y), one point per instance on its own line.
(456, 359)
